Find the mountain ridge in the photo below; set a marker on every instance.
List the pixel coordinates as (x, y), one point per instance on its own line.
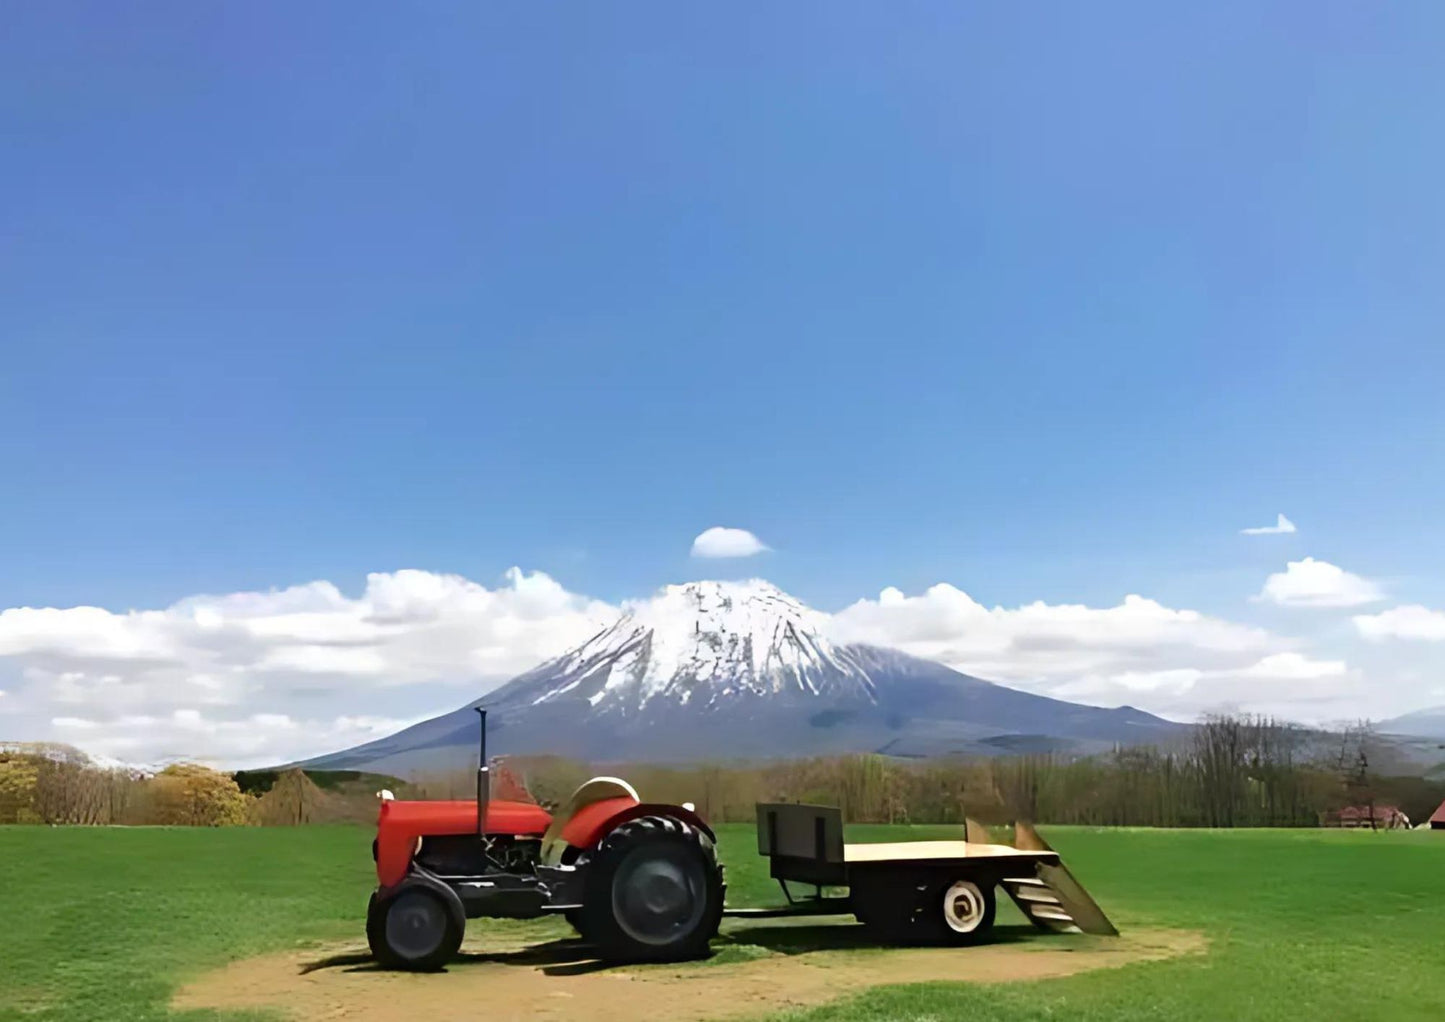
(1428, 722)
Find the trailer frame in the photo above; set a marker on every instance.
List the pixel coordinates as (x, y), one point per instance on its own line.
(895, 886)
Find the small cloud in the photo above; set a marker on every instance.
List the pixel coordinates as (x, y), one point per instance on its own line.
(1409, 622)
(1282, 525)
(1312, 583)
(721, 542)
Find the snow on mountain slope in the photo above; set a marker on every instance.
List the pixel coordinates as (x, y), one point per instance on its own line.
(707, 641)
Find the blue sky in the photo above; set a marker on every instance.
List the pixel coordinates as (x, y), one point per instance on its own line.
(1047, 304)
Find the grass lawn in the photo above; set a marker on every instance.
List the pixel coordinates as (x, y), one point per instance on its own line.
(102, 924)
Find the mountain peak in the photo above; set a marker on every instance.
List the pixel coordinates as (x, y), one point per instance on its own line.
(715, 606)
(702, 642)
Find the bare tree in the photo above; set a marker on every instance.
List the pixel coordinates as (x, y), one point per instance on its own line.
(1219, 750)
(1352, 765)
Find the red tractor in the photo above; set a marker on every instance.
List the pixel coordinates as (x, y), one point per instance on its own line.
(642, 882)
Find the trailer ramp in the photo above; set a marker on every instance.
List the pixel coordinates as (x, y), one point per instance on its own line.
(1051, 897)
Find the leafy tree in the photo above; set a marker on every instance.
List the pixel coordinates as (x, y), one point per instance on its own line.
(189, 794)
(17, 790)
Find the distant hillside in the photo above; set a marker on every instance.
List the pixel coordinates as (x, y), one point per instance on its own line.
(1429, 723)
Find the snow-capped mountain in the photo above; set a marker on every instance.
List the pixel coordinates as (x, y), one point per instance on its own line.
(700, 644)
(741, 670)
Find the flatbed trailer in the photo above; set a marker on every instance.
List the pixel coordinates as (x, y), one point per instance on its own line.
(931, 891)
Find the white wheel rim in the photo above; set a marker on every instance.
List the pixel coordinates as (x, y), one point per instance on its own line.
(963, 907)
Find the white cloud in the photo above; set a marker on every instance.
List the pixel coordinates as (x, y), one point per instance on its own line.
(1293, 666)
(1408, 622)
(208, 665)
(1287, 685)
(259, 739)
(1040, 641)
(1176, 662)
(1281, 526)
(721, 542)
(1312, 583)
(1137, 652)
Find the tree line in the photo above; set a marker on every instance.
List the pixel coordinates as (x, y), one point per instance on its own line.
(55, 788)
(1231, 771)
(54, 785)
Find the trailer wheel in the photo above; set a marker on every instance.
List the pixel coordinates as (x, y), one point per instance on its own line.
(415, 930)
(654, 892)
(962, 911)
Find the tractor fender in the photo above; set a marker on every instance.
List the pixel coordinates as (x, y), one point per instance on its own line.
(594, 822)
(418, 877)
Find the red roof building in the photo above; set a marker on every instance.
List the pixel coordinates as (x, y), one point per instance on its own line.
(1437, 821)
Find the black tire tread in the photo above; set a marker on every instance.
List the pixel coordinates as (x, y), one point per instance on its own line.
(595, 920)
(387, 958)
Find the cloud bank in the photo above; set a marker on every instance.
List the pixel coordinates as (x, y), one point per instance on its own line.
(255, 677)
(1177, 662)
(258, 678)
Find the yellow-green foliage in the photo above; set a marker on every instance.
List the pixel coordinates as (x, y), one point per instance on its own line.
(189, 794)
(17, 789)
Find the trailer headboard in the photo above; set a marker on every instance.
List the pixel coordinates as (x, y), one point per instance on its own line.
(803, 842)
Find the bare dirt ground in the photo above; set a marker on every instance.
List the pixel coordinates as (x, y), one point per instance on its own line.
(780, 967)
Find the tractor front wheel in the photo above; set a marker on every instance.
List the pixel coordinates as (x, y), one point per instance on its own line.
(414, 930)
(654, 892)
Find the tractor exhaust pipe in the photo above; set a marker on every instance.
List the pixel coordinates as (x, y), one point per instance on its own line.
(484, 777)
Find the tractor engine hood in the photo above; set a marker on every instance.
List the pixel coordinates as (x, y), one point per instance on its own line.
(399, 825)
(422, 818)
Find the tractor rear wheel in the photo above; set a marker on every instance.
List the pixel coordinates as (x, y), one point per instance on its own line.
(654, 892)
(414, 930)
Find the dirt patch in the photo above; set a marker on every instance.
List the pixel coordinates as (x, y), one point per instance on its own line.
(781, 967)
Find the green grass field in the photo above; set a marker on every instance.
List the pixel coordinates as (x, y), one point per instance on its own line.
(103, 924)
